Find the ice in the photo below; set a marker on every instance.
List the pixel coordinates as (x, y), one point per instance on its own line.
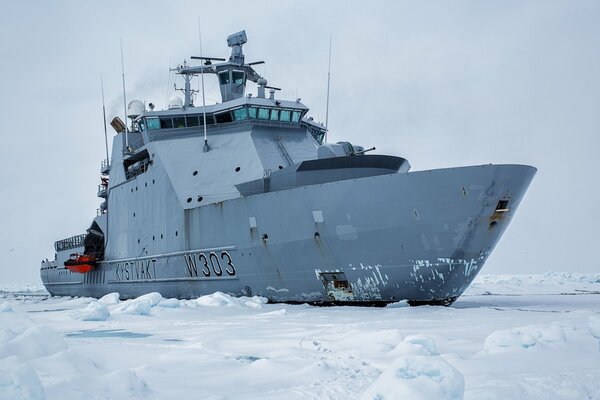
(416, 344)
(499, 341)
(548, 283)
(95, 311)
(594, 325)
(139, 306)
(219, 299)
(169, 303)
(523, 338)
(417, 378)
(19, 381)
(109, 299)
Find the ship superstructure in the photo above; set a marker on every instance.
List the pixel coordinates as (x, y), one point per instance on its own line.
(244, 197)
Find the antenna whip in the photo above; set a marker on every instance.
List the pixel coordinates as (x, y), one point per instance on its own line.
(124, 98)
(206, 148)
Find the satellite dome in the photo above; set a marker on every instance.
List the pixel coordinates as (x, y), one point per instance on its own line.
(135, 109)
(175, 102)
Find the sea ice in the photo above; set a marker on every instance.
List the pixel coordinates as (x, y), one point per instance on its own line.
(109, 299)
(139, 306)
(523, 338)
(95, 311)
(220, 299)
(417, 378)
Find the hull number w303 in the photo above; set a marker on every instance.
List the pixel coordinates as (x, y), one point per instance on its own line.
(209, 264)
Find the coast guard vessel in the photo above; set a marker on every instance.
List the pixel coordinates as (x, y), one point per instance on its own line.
(244, 197)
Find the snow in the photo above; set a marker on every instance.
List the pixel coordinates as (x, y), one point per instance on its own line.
(509, 337)
(417, 378)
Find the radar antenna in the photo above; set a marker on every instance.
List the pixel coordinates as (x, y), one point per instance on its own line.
(188, 92)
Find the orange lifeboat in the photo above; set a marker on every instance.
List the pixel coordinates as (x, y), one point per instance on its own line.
(80, 263)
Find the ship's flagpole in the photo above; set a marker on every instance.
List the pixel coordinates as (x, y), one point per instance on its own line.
(206, 148)
(104, 119)
(328, 81)
(124, 97)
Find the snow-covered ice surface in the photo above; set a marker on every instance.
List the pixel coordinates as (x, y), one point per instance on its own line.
(508, 337)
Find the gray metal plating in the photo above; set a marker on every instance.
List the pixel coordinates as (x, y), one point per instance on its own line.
(269, 210)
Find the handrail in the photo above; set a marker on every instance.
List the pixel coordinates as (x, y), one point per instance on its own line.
(70, 243)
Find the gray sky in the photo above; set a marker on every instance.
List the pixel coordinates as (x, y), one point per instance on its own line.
(440, 83)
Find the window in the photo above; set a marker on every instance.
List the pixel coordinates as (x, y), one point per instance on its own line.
(296, 116)
(153, 124)
(252, 112)
(166, 123)
(274, 115)
(284, 115)
(240, 114)
(210, 119)
(223, 117)
(238, 77)
(263, 113)
(179, 122)
(192, 120)
(224, 77)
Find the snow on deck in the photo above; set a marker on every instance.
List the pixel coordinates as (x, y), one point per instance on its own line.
(508, 337)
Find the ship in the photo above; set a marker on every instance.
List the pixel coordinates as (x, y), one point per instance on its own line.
(246, 197)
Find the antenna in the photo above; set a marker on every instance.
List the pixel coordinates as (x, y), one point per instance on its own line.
(328, 81)
(206, 148)
(104, 119)
(124, 97)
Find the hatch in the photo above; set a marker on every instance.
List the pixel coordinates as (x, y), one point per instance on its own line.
(336, 286)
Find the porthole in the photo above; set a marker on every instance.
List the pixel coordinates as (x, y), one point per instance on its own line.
(237, 169)
(189, 199)
(161, 235)
(153, 238)
(280, 167)
(176, 233)
(199, 199)
(195, 173)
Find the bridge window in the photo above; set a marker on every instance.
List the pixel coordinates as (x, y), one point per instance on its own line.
(223, 117)
(192, 120)
(284, 115)
(153, 123)
(274, 115)
(239, 77)
(240, 114)
(166, 123)
(252, 112)
(210, 119)
(224, 78)
(179, 122)
(296, 116)
(263, 113)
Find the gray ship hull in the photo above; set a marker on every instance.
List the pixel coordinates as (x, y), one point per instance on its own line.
(419, 236)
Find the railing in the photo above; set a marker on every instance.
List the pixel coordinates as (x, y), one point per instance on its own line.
(137, 169)
(105, 166)
(70, 243)
(102, 190)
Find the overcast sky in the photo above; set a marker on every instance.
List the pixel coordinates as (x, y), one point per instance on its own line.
(440, 83)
